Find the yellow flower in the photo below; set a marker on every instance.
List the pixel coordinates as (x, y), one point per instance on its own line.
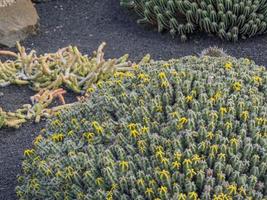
(162, 75)
(99, 181)
(187, 162)
(242, 191)
(59, 174)
(159, 108)
(164, 174)
(223, 110)
(152, 183)
(259, 120)
(160, 154)
(221, 156)
(134, 133)
(210, 135)
(188, 98)
(176, 165)
(164, 84)
(70, 133)
(190, 173)
(174, 73)
(182, 196)
(245, 115)
(135, 66)
(110, 195)
(183, 120)
(222, 196)
(118, 74)
(149, 191)
(166, 65)
(257, 79)
(89, 136)
(196, 158)
(124, 165)
(132, 126)
(229, 125)
(57, 137)
(221, 176)
(214, 148)
(114, 186)
(174, 114)
(237, 86)
(217, 95)
(144, 129)
(164, 161)
(177, 156)
(144, 77)
(129, 74)
(234, 141)
(97, 127)
(140, 181)
(38, 139)
(56, 122)
(118, 82)
(159, 148)
(90, 90)
(141, 143)
(182, 74)
(228, 65)
(232, 189)
(193, 195)
(211, 155)
(100, 84)
(163, 190)
(28, 152)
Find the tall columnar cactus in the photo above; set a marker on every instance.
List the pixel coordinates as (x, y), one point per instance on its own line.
(193, 128)
(229, 19)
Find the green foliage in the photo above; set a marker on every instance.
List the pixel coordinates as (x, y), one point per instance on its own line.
(183, 129)
(229, 19)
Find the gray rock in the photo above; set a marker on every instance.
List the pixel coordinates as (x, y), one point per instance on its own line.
(17, 21)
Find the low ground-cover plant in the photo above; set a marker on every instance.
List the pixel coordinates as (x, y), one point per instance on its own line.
(47, 74)
(229, 19)
(192, 128)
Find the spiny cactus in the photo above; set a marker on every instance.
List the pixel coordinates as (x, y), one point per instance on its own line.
(193, 128)
(213, 52)
(229, 19)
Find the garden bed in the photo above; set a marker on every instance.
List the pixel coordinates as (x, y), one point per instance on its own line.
(86, 24)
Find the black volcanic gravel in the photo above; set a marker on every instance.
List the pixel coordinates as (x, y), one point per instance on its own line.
(86, 23)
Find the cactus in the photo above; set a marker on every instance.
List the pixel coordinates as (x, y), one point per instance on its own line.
(192, 128)
(213, 52)
(229, 19)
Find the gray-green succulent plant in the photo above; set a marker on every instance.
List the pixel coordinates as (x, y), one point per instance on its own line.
(192, 128)
(229, 19)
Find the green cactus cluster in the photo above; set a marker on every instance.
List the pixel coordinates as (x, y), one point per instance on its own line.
(186, 129)
(229, 19)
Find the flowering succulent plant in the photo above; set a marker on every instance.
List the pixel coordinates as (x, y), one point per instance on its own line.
(192, 128)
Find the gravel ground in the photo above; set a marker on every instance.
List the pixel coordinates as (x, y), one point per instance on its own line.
(86, 24)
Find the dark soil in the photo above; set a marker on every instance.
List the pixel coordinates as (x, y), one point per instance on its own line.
(86, 23)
